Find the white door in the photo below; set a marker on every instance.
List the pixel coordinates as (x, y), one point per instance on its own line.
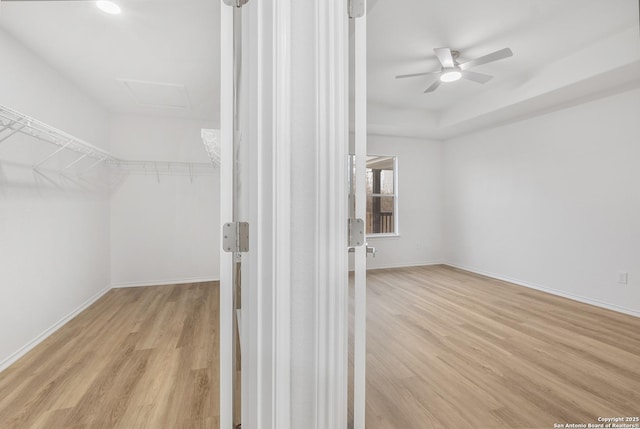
(234, 238)
(360, 206)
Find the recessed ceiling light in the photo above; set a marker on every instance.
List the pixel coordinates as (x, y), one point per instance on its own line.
(450, 74)
(108, 7)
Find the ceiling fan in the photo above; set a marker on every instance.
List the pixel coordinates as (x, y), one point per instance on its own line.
(451, 70)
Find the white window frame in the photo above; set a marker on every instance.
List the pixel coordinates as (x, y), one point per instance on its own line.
(396, 189)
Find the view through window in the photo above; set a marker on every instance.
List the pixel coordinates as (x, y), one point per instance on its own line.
(382, 198)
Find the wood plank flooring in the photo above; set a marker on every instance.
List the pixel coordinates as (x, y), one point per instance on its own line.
(137, 358)
(446, 349)
(450, 349)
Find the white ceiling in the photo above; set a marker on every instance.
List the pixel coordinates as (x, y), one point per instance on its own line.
(556, 45)
(174, 43)
(564, 51)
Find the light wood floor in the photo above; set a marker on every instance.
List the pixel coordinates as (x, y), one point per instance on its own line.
(450, 349)
(137, 358)
(446, 349)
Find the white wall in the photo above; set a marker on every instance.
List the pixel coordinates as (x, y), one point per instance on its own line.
(54, 233)
(419, 203)
(55, 239)
(552, 202)
(166, 231)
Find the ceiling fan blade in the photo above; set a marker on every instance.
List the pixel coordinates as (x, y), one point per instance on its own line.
(433, 86)
(4, 1)
(476, 77)
(402, 76)
(444, 56)
(494, 56)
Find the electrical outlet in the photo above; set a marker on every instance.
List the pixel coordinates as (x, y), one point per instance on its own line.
(623, 277)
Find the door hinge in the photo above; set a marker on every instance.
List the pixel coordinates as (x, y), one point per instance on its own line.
(235, 237)
(236, 3)
(356, 8)
(356, 232)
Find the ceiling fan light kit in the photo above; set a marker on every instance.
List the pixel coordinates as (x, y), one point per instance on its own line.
(108, 7)
(450, 74)
(452, 71)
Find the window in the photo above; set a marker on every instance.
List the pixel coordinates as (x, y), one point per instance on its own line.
(382, 195)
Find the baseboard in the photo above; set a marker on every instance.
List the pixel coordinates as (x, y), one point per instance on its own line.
(402, 265)
(4, 364)
(552, 291)
(164, 282)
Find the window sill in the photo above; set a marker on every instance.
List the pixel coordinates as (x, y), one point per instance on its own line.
(373, 236)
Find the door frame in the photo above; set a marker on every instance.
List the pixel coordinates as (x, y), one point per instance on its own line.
(360, 262)
(274, 49)
(226, 214)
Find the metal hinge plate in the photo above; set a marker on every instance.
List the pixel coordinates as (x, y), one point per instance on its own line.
(356, 8)
(236, 3)
(235, 237)
(356, 232)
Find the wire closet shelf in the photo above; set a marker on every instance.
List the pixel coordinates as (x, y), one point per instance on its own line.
(13, 122)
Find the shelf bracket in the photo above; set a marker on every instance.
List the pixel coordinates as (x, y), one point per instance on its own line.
(9, 125)
(51, 155)
(15, 130)
(95, 164)
(76, 161)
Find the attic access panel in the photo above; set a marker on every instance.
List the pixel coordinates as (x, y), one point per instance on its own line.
(157, 94)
